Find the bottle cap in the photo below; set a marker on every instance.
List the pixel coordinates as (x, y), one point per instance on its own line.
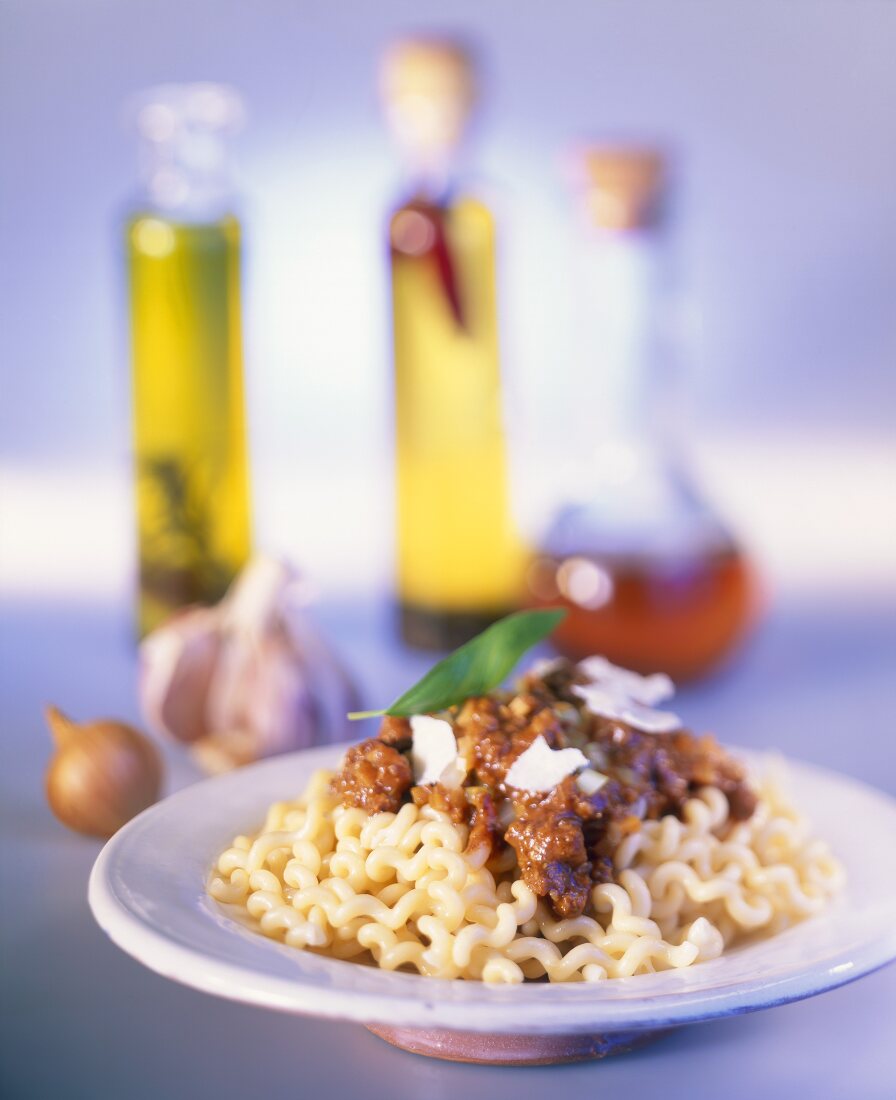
(623, 184)
(428, 87)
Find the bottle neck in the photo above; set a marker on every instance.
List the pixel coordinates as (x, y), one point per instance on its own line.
(434, 180)
(627, 492)
(622, 292)
(186, 178)
(184, 132)
(624, 464)
(183, 198)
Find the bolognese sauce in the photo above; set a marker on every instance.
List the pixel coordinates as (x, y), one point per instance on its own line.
(563, 838)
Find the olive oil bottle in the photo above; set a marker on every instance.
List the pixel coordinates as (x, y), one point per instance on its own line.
(183, 258)
(459, 557)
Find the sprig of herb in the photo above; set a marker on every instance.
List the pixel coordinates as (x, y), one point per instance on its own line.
(479, 666)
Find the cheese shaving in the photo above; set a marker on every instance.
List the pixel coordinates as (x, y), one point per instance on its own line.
(610, 704)
(648, 690)
(590, 781)
(434, 751)
(540, 768)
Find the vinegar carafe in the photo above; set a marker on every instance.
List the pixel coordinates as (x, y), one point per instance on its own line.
(651, 577)
(459, 559)
(183, 256)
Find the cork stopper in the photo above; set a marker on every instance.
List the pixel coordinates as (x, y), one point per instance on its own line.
(428, 88)
(623, 185)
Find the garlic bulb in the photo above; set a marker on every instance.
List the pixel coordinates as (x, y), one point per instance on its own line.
(103, 774)
(248, 678)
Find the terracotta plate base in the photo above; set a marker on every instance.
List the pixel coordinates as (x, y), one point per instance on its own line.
(486, 1048)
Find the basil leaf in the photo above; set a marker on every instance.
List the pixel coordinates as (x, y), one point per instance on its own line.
(479, 666)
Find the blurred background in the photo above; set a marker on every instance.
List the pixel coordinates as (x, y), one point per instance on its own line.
(785, 211)
(782, 225)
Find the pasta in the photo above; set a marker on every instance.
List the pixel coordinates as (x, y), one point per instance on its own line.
(405, 890)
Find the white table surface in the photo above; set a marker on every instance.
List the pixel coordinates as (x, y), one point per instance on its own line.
(82, 1020)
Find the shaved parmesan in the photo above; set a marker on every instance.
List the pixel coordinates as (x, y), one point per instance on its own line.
(648, 690)
(611, 704)
(540, 767)
(434, 751)
(590, 781)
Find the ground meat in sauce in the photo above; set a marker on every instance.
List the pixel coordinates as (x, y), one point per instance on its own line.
(668, 768)
(563, 839)
(483, 820)
(471, 806)
(550, 850)
(492, 733)
(375, 777)
(396, 732)
(448, 800)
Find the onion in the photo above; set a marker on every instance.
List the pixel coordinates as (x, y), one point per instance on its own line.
(103, 774)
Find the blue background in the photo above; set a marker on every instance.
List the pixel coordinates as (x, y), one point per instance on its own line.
(782, 113)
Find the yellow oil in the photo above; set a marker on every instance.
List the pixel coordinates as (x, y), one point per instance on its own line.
(459, 555)
(192, 488)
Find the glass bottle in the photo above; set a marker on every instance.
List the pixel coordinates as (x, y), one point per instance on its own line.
(183, 258)
(650, 575)
(459, 558)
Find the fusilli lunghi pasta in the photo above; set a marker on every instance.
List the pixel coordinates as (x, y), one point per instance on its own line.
(402, 891)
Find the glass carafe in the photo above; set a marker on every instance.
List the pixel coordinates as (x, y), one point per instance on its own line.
(651, 576)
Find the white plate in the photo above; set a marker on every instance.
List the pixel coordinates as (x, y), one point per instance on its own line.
(147, 891)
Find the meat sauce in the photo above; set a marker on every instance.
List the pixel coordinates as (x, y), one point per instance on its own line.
(563, 838)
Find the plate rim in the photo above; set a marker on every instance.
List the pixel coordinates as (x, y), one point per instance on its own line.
(289, 993)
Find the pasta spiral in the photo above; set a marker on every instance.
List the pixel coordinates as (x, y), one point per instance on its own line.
(401, 891)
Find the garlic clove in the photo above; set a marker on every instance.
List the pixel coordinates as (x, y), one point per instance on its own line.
(102, 774)
(277, 685)
(260, 703)
(176, 666)
(253, 604)
(248, 678)
(334, 693)
(222, 752)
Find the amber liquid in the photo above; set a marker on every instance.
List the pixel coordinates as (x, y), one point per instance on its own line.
(192, 488)
(460, 561)
(681, 617)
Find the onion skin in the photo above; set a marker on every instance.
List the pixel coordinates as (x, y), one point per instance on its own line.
(103, 774)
